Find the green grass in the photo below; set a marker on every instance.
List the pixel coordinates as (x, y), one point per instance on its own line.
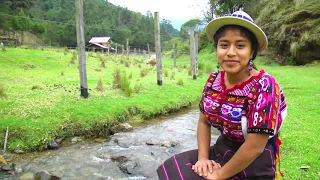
(37, 116)
(39, 104)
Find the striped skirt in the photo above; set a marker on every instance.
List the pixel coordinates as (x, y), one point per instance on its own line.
(178, 167)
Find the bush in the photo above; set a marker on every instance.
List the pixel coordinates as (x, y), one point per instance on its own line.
(125, 85)
(34, 87)
(166, 74)
(116, 79)
(137, 88)
(209, 68)
(102, 60)
(143, 72)
(65, 51)
(2, 91)
(127, 63)
(184, 66)
(172, 76)
(201, 66)
(190, 71)
(180, 82)
(73, 57)
(100, 85)
(200, 74)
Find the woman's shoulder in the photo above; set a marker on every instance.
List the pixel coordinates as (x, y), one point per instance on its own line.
(212, 76)
(266, 81)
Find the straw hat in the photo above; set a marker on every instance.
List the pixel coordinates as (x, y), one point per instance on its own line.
(239, 18)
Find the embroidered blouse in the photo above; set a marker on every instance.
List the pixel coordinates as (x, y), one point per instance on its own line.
(254, 106)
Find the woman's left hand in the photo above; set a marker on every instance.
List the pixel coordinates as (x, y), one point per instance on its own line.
(214, 175)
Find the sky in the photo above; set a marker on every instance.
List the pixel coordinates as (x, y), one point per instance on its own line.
(177, 11)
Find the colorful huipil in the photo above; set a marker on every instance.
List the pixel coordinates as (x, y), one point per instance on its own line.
(255, 106)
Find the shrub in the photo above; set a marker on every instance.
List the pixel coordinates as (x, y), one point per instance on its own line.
(3, 48)
(201, 66)
(125, 85)
(209, 68)
(143, 72)
(100, 85)
(200, 74)
(116, 79)
(65, 51)
(190, 71)
(166, 74)
(137, 88)
(172, 75)
(127, 63)
(185, 66)
(180, 82)
(130, 76)
(34, 87)
(73, 57)
(2, 91)
(102, 60)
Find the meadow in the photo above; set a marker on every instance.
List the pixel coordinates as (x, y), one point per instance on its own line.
(40, 99)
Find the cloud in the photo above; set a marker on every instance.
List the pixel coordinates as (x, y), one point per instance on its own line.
(168, 9)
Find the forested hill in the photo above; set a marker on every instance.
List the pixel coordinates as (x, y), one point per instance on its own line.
(54, 22)
(293, 27)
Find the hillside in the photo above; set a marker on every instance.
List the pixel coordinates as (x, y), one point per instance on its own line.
(293, 27)
(54, 22)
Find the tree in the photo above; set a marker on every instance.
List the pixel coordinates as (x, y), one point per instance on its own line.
(166, 24)
(209, 12)
(222, 7)
(187, 27)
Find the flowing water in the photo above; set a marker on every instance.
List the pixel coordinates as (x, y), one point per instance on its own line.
(127, 155)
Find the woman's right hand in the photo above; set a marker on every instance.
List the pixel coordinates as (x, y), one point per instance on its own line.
(204, 166)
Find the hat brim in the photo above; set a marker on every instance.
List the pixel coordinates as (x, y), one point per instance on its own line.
(214, 25)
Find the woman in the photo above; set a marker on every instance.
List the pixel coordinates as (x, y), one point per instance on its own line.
(246, 105)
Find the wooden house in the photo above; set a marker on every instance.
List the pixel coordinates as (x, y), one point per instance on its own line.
(102, 44)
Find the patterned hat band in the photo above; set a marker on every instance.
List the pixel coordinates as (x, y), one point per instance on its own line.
(242, 16)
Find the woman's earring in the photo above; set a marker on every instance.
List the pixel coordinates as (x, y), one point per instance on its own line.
(250, 65)
(218, 66)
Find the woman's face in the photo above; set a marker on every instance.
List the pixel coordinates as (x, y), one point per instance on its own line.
(234, 51)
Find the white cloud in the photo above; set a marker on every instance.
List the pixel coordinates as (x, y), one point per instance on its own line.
(168, 9)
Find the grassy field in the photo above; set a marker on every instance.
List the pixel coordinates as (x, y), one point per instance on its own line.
(39, 99)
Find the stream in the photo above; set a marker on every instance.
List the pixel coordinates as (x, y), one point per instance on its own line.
(131, 155)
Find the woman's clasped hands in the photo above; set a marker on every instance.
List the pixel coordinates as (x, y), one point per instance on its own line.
(207, 169)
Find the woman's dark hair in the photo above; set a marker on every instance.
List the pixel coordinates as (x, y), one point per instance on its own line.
(244, 31)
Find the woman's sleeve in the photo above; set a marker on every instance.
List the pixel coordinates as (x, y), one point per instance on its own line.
(207, 86)
(265, 105)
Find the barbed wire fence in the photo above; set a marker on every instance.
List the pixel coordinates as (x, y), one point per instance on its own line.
(125, 49)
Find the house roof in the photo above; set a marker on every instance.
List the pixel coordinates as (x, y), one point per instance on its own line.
(102, 46)
(99, 39)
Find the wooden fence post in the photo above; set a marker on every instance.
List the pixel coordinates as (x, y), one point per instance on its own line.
(81, 51)
(128, 48)
(174, 54)
(193, 54)
(196, 50)
(158, 48)
(148, 49)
